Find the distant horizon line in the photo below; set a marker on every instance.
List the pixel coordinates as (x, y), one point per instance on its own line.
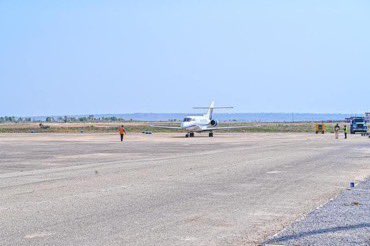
(182, 113)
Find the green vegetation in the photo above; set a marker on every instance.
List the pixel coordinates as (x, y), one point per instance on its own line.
(65, 119)
(10, 119)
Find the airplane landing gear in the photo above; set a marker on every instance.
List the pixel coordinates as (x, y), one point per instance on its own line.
(210, 134)
(190, 134)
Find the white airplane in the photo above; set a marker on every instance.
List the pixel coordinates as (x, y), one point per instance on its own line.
(204, 123)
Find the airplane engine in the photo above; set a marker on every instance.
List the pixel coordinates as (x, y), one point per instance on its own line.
(214, 123)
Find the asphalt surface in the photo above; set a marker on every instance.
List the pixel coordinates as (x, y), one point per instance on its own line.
(233, 189)
(343, 221)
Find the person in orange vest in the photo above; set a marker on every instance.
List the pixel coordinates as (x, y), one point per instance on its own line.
(122, 131)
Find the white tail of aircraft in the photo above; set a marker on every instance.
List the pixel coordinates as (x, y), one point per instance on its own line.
(209, 113)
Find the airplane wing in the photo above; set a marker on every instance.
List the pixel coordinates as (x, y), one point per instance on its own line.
(167, 127)
(225, 128)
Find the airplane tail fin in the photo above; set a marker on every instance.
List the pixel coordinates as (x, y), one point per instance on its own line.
(210, 109)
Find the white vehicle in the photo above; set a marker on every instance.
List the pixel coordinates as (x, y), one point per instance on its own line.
(203, 123)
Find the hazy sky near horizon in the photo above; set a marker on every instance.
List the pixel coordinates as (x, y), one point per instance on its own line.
(82, 57)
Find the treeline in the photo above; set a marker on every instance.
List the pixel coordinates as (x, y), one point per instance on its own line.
(65, 119)
(14, 119)
(89, 118)
(68, 119)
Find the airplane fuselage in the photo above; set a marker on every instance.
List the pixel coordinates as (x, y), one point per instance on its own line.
(196, 123)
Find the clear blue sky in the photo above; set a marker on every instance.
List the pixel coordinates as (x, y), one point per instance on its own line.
(81, 57)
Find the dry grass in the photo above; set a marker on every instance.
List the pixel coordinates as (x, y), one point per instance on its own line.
(145, 126)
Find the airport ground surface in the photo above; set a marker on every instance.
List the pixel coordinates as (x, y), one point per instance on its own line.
(163, 189)
(342, 221)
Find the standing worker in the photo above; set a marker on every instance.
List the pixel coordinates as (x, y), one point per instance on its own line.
(336, 130)
(345, 131)
(122, 131)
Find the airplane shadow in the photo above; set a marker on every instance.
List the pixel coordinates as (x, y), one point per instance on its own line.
(283, 239)
(197, 136)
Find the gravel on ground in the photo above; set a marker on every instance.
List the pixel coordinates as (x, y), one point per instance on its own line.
(343, 221)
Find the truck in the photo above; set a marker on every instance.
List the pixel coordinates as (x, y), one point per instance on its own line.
(320, 127)
(367, 116)
(358, 124)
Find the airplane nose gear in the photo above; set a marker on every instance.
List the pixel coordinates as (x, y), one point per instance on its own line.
(210, 134)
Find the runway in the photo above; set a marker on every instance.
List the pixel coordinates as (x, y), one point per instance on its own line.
(163, 189)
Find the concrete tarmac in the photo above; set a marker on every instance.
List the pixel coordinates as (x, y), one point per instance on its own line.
(233, 189)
